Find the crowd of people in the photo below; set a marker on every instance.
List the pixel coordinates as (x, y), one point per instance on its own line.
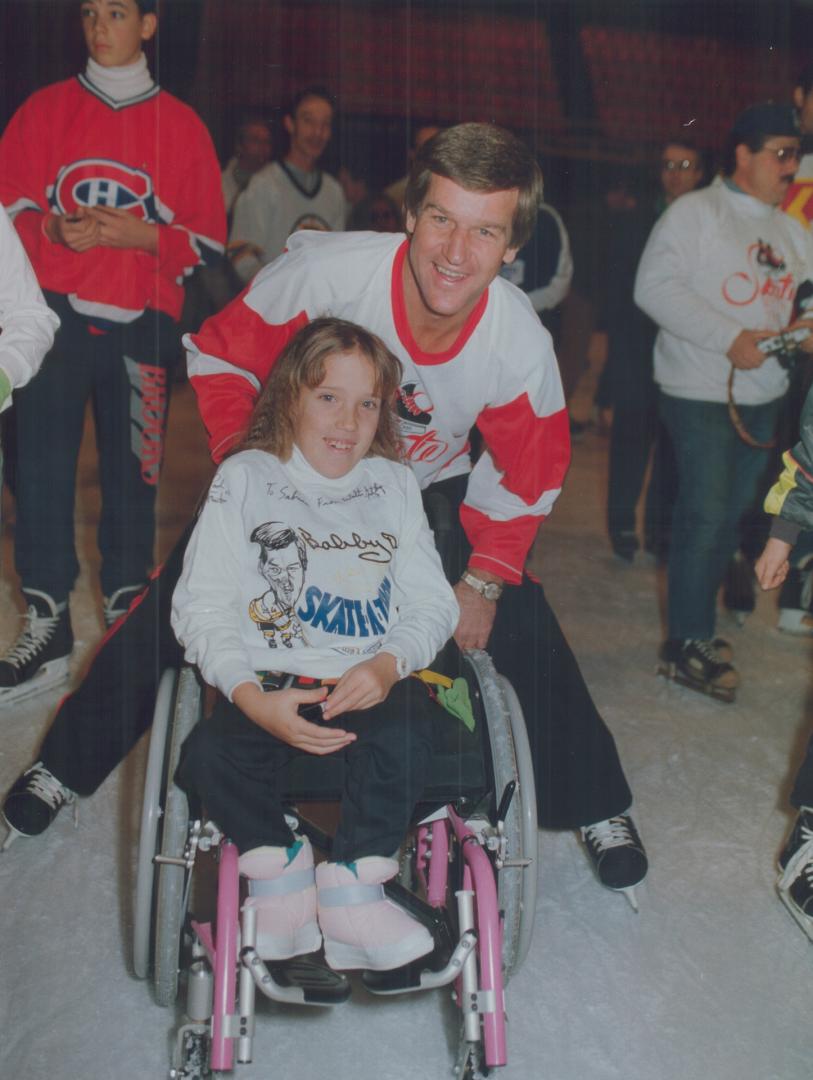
(355, 340)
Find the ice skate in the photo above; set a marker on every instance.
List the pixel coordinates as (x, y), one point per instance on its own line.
(700, 665)
(617, 855)
(39, 658)
(281, 888)
(119, 602)
(33, 802)
(795, 600)
(361, 927)
(795, 884)
(738, 588)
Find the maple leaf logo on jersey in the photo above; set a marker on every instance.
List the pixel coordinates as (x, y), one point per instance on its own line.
(99, 182)
(410, 402)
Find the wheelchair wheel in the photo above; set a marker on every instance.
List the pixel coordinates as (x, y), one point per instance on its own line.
(173, 881)
(151, 811)
(511, 761)
(529, 828)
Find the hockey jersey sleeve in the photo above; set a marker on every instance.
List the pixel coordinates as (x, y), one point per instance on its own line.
(230, 358)
(22, 177)
(193, 231)
(515, 482)
(28, 324)
(791, 497)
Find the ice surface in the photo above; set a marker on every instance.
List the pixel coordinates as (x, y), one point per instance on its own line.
(709, 981)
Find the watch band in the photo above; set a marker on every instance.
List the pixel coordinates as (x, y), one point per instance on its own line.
(491, 590)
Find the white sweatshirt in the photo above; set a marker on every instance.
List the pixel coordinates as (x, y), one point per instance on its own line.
(28, 324)
(274, 206)
(336, 571)
(719, 261)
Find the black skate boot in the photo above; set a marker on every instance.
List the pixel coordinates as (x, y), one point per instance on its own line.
(795, 884)
(39, 657)
(700, 666)
(118, 603)
(617, 854)
(739, 596)
(33, 802)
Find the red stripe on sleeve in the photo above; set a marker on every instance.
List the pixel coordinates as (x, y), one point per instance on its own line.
(240, 337)
(532, 452)
(499, 547)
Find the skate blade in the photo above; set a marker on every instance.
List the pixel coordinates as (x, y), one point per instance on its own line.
(723, 694)
(799, 917)
(49, 675)
(795, 621)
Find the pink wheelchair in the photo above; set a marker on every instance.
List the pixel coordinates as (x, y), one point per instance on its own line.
(468, 872)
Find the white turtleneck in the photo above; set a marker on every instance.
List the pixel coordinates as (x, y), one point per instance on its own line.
(121, 84)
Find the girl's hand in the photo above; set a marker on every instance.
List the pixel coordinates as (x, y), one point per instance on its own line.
(772, 566)
(121, 229)
(363, 686)
(277, 713)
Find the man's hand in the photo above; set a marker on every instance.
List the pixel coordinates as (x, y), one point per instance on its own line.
(276, 712)
(364, 685)
(79, 232)
(772, 566)
(476, 615)
(744, 352)
(121, 229)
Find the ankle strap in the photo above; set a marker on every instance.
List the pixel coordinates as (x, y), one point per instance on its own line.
(350, 895)
(281, 886)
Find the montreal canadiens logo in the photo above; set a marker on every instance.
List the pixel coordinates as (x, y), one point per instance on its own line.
(99, 182)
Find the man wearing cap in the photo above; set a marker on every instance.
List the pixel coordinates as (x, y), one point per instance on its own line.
(719, 275)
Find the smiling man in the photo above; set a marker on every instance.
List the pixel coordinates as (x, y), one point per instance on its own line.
(291, 194)
(719, 274)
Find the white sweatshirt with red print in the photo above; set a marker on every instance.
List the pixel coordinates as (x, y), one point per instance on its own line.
(500, 374)
(717, 262)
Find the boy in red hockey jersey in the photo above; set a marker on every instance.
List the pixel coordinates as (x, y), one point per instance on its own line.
(114, 188)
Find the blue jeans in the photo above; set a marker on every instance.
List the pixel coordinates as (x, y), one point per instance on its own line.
(718, 478)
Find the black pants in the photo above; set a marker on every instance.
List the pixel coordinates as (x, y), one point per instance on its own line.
(579, 777)
(233, 767)
(636, 429)
(123, 373)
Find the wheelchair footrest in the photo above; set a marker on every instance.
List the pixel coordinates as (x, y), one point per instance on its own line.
(319, 984)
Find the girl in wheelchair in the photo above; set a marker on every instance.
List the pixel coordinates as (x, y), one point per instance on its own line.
(312, 568)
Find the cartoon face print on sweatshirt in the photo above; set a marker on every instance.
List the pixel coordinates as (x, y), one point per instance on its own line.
(282, 563)
(326, 587)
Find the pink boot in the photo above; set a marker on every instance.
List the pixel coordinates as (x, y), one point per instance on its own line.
(362, 929)
(281, 887)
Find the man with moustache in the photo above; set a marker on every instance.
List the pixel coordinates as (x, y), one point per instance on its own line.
(719, 275)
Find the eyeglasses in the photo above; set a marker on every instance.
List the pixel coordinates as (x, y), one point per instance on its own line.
(785, 153)
(678, 166)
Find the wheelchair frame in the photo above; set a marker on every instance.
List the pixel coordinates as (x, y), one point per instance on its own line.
(491, 919)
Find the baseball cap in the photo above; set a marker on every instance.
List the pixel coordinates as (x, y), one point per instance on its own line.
(766, 118)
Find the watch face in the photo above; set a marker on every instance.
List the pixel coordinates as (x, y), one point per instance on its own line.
(491, 591)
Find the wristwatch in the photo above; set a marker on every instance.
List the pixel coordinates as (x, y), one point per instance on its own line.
(491, 590)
